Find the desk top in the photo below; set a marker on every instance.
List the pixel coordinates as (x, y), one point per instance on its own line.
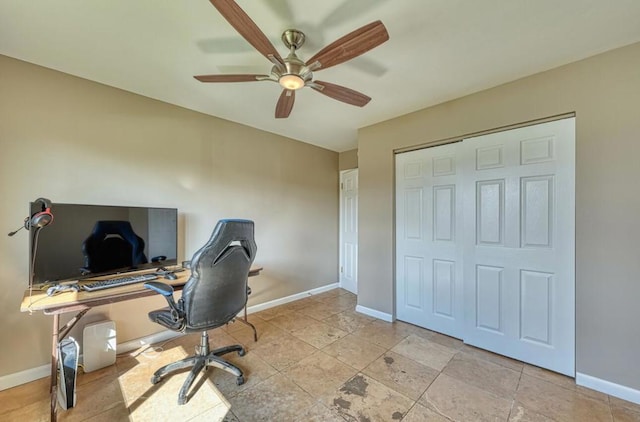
(37, 300)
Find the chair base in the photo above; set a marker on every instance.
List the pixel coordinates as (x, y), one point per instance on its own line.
(201, 361)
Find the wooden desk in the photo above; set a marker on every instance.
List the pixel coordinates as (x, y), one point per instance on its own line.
(81, 302)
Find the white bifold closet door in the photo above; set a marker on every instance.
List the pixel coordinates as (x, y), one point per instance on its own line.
(429, 289)
(485, 242)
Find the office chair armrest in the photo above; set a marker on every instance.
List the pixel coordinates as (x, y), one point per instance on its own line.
(158, 287)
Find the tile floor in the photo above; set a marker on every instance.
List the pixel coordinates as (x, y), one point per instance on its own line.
(318, 360)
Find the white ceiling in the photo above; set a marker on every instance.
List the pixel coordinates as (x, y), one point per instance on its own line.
(438, 50)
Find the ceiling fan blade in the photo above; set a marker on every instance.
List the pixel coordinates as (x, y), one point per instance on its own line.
(230, 78)
(246, 27)
(351, 45)
(285, 103)
(341, 93)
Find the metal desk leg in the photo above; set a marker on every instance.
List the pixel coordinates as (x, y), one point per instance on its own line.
(54, 366)
(244, 320)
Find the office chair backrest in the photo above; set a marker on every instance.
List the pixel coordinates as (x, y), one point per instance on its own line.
(217, 289)
(112, 245)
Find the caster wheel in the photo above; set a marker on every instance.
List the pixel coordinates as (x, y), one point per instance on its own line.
(241, 352)
(240, 380)
(155, 379)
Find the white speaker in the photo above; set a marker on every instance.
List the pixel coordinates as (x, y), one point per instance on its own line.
(98, 345)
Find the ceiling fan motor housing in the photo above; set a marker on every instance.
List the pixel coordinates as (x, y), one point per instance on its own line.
(295, 73)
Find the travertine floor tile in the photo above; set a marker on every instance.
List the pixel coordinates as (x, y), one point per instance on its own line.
(354, 351)
(238, 324)
(552, 377)
(24, 395)
(425, 352)
(419, 413)
(319, 334)
(559, 403)
(276, 399)
(109, 372)
(114, 414)
(563, 381)
(271, 313)
(38, 410)
(296, 305)
(320, 374)
(521, 414)
(348, 320)
(320, 310)
(402, 374)
(321, 413)
(450, 342)
(292, 321)
(218, 338)
(342, 302)
(219, 413)
(624, 414)
(516, 365)
(383, 334)
(95, 398)
(616, 402)
(266, 332)
(160, 402)
(463, 402)
(254, 369)
(483, 374)
(329, 294)
(365, 399)
(284, 351)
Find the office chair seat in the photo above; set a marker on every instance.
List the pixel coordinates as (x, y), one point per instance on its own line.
(167, 319)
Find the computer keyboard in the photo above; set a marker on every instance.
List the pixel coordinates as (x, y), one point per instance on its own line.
(117, 282)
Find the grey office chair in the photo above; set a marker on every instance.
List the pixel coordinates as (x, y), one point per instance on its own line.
(214, 294)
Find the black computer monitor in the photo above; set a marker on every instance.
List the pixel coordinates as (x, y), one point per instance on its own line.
(82, 241)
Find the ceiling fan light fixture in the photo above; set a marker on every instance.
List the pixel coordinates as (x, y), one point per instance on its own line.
(291, 82)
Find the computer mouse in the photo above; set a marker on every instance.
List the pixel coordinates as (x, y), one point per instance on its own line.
(62, 288)
(53, 290)
(170, 276)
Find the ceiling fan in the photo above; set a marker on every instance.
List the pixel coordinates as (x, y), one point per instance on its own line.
(291, 72)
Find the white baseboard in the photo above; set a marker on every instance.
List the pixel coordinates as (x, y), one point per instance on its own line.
(135, 344)
(32, 374)
(276, 302)
(23, 377)
(608, 387)
(373, 313)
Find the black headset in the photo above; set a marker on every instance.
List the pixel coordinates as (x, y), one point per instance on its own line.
(42, 218)
(38, 220)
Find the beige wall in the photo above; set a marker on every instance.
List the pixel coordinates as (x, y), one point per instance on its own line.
(604, 92)
(76, 141)
(348, 160)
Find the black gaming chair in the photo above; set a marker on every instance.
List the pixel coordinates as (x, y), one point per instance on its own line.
(112, 245)
(214, 294)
